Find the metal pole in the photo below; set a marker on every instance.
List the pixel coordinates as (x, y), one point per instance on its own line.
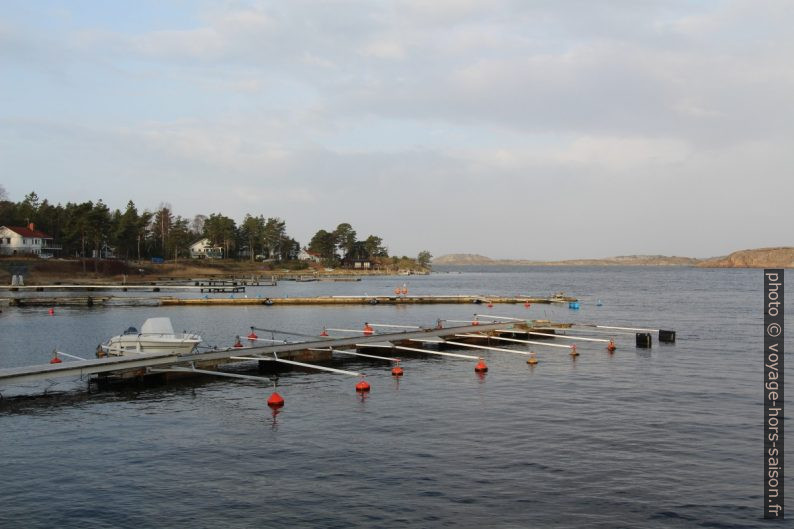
(488, 348)
(515, 340)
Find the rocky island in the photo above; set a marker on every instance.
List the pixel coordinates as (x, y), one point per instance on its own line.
(778, 257)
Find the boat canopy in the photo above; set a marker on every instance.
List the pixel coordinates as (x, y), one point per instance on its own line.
(157, 326)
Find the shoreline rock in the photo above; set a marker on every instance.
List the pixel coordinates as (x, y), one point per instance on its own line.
(774, 257)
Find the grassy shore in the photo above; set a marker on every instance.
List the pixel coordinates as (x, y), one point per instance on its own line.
(75, 271)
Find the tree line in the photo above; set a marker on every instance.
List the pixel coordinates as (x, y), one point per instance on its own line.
(91, 228)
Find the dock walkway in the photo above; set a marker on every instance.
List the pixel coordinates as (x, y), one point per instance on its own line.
(137, 364)
(367, 300)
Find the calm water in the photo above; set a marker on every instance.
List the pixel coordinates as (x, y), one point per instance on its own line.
(667, 437)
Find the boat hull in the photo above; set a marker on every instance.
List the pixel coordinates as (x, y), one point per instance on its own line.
(134, 344)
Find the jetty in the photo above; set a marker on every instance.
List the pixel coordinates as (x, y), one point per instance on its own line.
(108, 300)
(125, 288)
(437, 340)
(476, 299)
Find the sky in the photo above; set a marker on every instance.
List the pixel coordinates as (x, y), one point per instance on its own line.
(508, 128)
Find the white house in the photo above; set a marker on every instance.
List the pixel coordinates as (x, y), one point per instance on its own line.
(204, 249)
(306, 255)
(16, 240)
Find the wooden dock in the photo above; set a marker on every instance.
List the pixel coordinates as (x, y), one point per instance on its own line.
(100, 300)
(492, 337)
(137, 366)
(108, 287)
(366, 300)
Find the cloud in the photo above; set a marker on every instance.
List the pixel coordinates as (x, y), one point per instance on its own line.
(426, 122)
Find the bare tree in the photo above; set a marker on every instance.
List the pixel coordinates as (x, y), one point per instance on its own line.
(197, 225)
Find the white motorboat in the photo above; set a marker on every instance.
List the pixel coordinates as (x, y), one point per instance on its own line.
(156, 336)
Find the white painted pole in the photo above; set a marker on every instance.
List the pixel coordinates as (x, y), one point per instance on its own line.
(191, 369)
(267, 340)
(568, 337)
(515, 340)
(426, 351)
(488, 348)
(354, 353)
(499, 317)
(572, 329)
(394, 326)
(617, 328)
(70, 356)
(292, 362)
(348, 330)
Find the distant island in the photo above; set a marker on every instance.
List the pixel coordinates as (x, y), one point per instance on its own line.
(778, 257)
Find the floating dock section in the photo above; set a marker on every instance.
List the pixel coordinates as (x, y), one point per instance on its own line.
(475, 338)
(367, 300)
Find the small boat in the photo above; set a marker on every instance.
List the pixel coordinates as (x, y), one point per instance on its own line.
(156, 336)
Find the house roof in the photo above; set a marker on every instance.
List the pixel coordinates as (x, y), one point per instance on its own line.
(27, 232)
(205, 242)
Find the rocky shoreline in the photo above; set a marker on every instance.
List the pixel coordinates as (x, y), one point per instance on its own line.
(777, 257)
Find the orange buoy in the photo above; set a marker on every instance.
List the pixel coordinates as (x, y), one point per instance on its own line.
(397, 291)
(532, 360)
(480, 367)
(51, 312)
(574, 352)
(363, 386)
(475, 322)
(367, 329)
(238, 343)
(404, 290)
(490, 305)
(252, 336)
(55, 359)
(611, 346)
(275, 400)
(527, 304)
(324, 333)
(397, 371)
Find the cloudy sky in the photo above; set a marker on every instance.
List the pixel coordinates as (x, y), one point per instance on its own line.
(510, 128)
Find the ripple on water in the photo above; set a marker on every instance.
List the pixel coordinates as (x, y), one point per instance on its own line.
(658, 438)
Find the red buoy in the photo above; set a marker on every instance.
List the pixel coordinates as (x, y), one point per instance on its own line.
(475, 322)
(275, 400)
(363, 386)
(480, 367)
(397, 291)
(367, 329)
(51, 312)
(611, 346)
(324, 333)
(238, 343)
(527, 304)
(397, 371)
(252, 336)
(55, 360)
(490, 305)
(574, 352)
